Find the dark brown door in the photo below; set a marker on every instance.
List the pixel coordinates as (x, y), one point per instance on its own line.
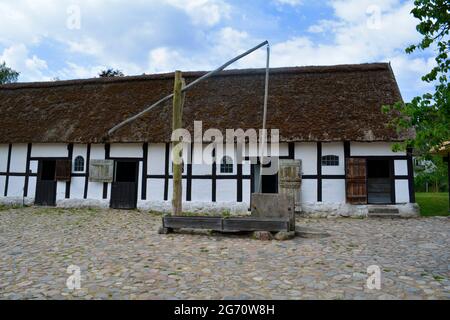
(46, 183)
(124, 188)
(356, 180)
(379, 181)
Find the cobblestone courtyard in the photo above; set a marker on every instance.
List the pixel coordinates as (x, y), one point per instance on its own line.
(122, 256)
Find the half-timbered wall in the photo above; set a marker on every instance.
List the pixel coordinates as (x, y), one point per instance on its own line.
(201, 182)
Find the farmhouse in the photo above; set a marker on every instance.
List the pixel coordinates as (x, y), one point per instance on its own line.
(55, 150)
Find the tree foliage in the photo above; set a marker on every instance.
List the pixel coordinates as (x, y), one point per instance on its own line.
(7, 75)
(431, 175)
(110, 73)
(429, 114)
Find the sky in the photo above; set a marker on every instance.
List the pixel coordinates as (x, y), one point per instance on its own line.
(70, 39)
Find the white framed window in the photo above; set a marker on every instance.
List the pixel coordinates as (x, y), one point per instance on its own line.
(78, 165)
(226, 165)
(330, 160)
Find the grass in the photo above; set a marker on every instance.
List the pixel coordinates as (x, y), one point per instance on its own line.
(432, 204)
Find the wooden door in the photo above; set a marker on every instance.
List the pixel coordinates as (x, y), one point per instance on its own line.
(123, 195)
(125, 185)
(46, 184)
(356, 180)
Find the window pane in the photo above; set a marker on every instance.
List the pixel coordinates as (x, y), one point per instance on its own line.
(330, 160)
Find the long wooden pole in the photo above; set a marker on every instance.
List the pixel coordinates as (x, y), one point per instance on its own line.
(189, 86)
(177, 151)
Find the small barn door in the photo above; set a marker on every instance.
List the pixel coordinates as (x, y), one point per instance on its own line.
(46, 183)
(125, 185)
(356, 180)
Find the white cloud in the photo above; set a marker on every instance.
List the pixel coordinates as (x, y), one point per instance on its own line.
(86, 45)
(293, 3)
(18, 58)
(207, 12)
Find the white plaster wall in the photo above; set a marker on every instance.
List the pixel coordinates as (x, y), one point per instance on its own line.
(201, 190)
(77, 188)
(32, 187)
(95, 190)
(53, 150)
(60, 190)
(226, 190)
(2, 185)
(373, 149)
(98, 151)
(3, 157)
(246, 191)
(34, 166)
(246, 168)
(401, 191)
(156, 159)
(201, 155)
(308, 191)
(155, 189)
(15, 186)
(126, 150)
(18, 158)
(336, 149)
(79, 150)
(401, 167)
(333, 191)
(307, 152)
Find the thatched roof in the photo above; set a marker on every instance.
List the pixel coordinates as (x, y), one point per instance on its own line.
(333, 103)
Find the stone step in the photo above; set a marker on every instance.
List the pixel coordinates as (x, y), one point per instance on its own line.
(383, 210)
(386, 215)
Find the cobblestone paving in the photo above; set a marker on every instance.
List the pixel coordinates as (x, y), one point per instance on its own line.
(121, 256)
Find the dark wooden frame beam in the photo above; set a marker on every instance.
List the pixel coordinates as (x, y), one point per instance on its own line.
(8, 169)
(86, 179)
(319, 171)
(70, 156)
(144, 171)
(27, 171)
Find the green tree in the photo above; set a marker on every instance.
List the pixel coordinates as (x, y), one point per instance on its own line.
(429, 114)
(431, 174)
(7, 75)
(110, 73)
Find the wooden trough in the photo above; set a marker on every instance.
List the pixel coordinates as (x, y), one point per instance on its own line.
(270, 212)
(225, 224)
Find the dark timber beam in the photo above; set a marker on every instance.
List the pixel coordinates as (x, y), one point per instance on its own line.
(86, 179)
(27, 171)
(166, 172)
(107, 157)
(412, 194)
(8, 169)
(144, 171)
(319, 171)
(68, 183)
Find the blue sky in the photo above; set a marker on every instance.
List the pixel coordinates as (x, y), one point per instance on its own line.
(67, 39)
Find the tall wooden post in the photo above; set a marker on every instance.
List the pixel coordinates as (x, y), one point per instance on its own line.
(177, 156)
